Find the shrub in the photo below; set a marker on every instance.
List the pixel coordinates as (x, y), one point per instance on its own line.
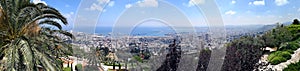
(290, 51)
(271, 56)
(278, 57)
(277, 60)
(79, 67)
(293, 67)
(290, 46)
(243, 54)
(138, 58)
(285, 54)
(293, 45)
(67, 69)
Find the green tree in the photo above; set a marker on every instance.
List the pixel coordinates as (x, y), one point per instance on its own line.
(293, 67)
(296, 22)
(277, 36)
(243, 54)
(93, 59)
(30, 36)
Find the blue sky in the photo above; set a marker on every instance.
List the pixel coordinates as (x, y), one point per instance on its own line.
(91, 13)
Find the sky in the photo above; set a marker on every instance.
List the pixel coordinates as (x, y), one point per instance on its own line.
(86, 14)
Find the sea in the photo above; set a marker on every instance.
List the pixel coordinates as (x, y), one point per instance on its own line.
(150, 31)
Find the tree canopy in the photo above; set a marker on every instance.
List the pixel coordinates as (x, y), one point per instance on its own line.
(26, 44)
(296, 22)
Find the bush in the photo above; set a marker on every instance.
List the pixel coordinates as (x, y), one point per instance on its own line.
(78, 67)
(67, 69)
(278, 57)
(293, 67)
(277, 60)
(291, 51)
(295, 29)
(138, 58)
(289, 46)
(243, 54)
(271, 56)
(285, 54)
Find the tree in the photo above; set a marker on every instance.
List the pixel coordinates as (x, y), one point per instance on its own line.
(26, 43)
(277, 36)
(293, 67)
(204, 59)
(296, 22)
(172, 58)
(243, 54)
(93, 58)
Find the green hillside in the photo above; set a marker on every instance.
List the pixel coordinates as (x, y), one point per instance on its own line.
(245, 52)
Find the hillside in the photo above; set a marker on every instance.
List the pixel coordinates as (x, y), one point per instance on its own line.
(244, 53)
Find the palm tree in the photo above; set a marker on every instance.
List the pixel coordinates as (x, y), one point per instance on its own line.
(93, 59)
(30, 36)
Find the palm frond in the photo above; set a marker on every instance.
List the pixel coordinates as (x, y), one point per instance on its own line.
(43, 16)
(66, 33)
(51, 22)
(19, 51)
(27, 57)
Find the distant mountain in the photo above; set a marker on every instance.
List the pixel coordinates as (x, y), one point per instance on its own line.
(270, 26)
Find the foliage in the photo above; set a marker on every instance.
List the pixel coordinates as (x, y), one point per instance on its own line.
(278, 57)
(173, 57)
(294, 29)
(243, 54)
(277, 60)
(93, 57)
(78, 67)
(67, 69)
(293, 67)
(204, 59)
(138, 58)
(26, 43)
(277, 36)
(296, 22)
(289, 46)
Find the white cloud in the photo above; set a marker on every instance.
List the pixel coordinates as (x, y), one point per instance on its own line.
(261, 2)
(95, 7)
(112, 3)
(99, 5)
(230, 12)
(233, 2)
(281, 2)
(39, 1)
(250, 3)
(128, 5)
(148, 3)
(195, 2)
(144, 3)
(103, 1)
